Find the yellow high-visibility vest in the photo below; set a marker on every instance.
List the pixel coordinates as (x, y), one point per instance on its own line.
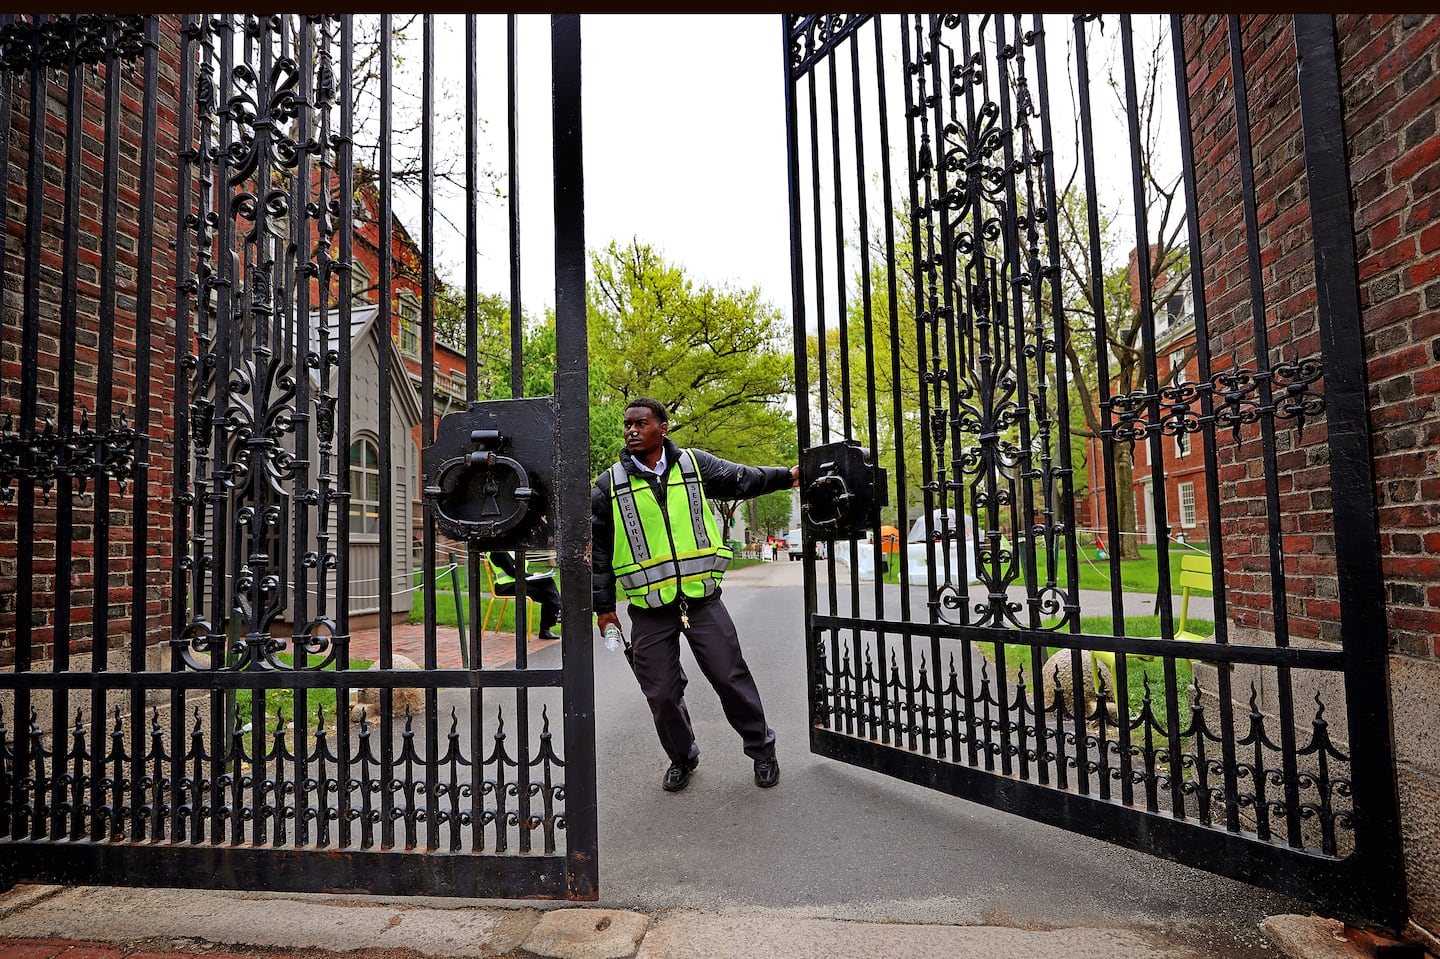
(662, 554)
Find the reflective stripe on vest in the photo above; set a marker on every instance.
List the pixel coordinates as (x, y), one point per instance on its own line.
(655, 561)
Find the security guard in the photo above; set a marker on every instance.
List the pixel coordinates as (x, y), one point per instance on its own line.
(656, 537)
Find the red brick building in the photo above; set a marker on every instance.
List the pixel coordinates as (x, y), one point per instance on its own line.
(1182, 459)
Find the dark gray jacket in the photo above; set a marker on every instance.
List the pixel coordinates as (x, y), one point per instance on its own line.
(722, 479)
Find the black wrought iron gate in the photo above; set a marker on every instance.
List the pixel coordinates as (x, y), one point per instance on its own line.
(1042, 416)
(208, 474)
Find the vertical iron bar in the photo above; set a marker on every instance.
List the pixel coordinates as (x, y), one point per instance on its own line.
(842, 328)
(1278, 593)
(104, 404)
(572, 472)
(821, 336)
(1107, 437)
(187, 296)
(25, 497)
(517, 343)
(822, 376)
(923, 258)
(473, 555)
(867, 717)
(1022, 526)
(345, 163)
(225, 570)
(959, 326)
(386, 378)
(295, 346)
(517, 389)
(472, 290)
(1362, 608)
(814, 667)
(7, 105)
(61, 616)
(427, 424)
(1062, 403)
(1207, 411)
(140, 492)
(897, 417)
(1145, 282)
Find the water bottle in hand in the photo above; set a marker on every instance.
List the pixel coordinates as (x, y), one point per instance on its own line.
(613, 637)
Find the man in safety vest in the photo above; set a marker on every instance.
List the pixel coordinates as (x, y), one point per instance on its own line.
(539, 586)
(657, 543)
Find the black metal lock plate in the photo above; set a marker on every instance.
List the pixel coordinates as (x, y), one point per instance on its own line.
(489, 476)
(840, 489)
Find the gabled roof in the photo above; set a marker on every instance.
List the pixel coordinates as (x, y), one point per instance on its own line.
(364, 323)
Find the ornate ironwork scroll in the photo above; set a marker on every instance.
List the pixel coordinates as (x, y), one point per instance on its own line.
(264, 360)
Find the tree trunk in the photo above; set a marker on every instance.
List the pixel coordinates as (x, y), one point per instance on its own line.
(1129, 545)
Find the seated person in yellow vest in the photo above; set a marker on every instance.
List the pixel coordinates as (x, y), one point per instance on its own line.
(656, 538)
(539, 586)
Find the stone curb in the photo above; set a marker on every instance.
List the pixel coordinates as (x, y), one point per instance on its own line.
(1314, 937)
(470, 929)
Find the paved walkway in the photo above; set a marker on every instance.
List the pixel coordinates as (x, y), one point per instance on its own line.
(497, 650)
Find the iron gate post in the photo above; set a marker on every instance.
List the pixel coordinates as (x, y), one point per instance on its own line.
(1357, 541)
(572, 466)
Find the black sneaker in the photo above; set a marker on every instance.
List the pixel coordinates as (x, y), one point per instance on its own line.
(677, 777)
(767, 772)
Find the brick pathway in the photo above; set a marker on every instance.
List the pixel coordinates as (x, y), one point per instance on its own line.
(497, 650)
(69, 949)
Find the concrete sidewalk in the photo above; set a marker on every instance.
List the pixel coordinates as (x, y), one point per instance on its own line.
(56, 922)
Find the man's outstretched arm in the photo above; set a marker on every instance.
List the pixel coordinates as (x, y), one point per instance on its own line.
(726, 480)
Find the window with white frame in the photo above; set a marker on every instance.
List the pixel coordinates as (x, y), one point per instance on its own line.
(359, 281)
(1177, 367)
(364, 488)
(407, 307)
(1187, 505)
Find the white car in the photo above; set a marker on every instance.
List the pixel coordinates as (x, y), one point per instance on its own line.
(794, 545)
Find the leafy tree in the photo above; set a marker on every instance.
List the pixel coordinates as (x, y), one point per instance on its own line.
(772, 514)
(1117, 306)
(716, 357)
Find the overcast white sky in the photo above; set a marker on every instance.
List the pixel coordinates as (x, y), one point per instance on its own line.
(684, 139)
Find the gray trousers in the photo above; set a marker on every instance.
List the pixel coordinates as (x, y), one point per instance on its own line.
(655, 634)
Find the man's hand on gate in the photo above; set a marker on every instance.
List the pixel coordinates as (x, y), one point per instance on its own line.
(795, 477)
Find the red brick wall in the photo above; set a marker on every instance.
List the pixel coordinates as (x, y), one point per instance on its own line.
(1287, 281)
(156, 515)
(1390, 78)
(1392, 88)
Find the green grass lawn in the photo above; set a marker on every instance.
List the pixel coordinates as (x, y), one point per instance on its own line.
(282, 701)
(1136, 575)
(445, 604)
(1017, 655)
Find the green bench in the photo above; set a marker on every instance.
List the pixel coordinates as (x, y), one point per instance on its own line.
(1196, 573)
